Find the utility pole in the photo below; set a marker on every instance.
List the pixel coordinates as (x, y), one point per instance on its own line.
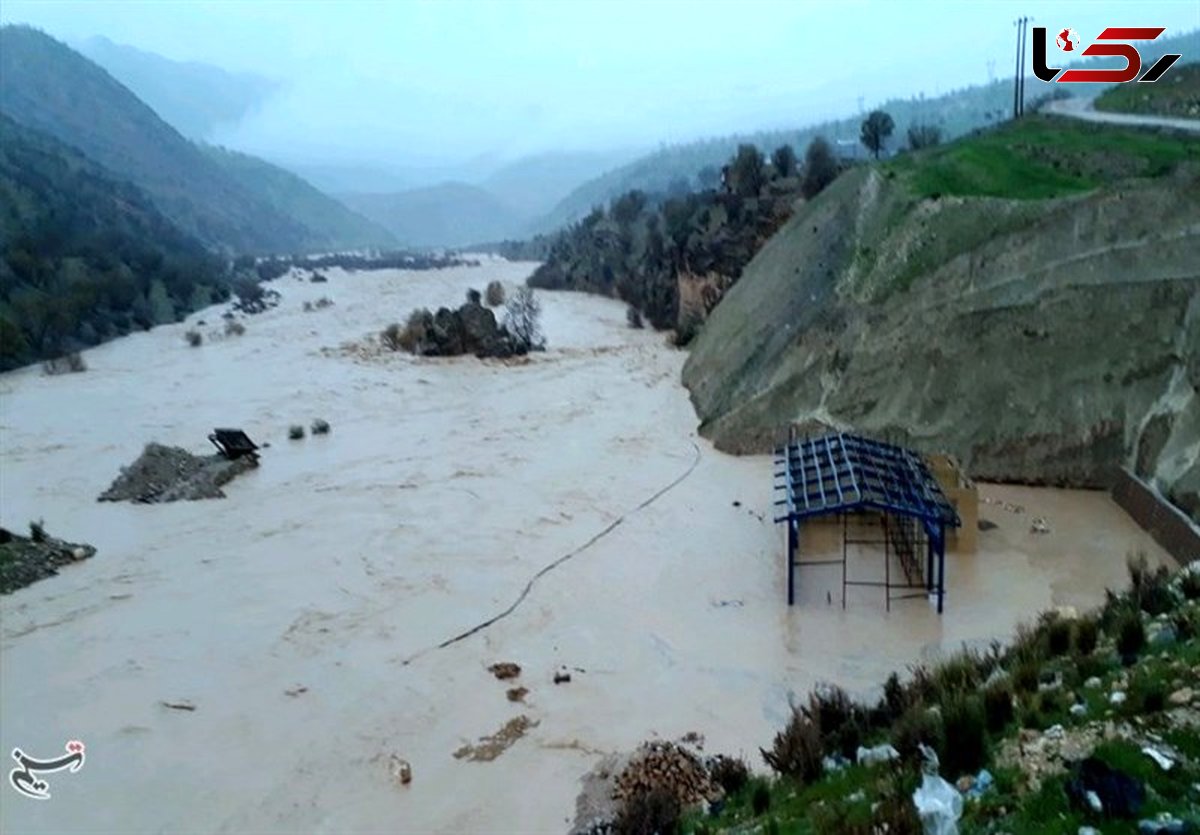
(1019, 74)
(1024, 42)
(1017, 70)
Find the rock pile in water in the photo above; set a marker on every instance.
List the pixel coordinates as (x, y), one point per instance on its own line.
(27, 560)
(169, 474)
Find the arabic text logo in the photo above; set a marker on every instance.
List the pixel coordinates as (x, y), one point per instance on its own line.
(24, 777)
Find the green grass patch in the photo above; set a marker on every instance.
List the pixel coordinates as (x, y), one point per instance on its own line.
(1042, 157)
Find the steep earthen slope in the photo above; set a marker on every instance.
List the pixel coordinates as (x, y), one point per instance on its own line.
(1043, 340)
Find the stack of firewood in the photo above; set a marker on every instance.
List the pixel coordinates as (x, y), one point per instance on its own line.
(665, 765)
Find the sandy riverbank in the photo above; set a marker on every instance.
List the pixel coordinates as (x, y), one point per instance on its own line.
(343, 562)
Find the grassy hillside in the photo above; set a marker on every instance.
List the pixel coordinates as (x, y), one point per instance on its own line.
(85, 257)
(1024, 298)
(1176, 94)
(330, 224)
(1042, 157)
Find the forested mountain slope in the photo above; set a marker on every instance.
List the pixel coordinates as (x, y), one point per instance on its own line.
(85, 257)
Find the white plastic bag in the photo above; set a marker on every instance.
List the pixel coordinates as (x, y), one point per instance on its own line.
(879, 754)
(939, 805)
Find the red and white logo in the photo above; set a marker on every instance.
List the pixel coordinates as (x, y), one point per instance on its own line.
(1067, 40)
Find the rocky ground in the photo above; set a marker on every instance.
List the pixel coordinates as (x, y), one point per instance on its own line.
(171, 474)
(26, 560)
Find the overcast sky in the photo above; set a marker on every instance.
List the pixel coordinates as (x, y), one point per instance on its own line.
(438, 80)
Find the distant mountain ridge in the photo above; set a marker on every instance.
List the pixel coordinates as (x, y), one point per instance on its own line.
(47, 86)
(193, 97)
(287, 192)
(499, 206)
(445, 215)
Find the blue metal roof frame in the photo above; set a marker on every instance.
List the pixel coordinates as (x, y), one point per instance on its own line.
(840, 472)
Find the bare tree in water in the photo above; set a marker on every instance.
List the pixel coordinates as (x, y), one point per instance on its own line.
(522, 319)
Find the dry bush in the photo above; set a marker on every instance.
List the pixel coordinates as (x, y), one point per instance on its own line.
(37, 530)
(320, 427)
(1150, 589)
(390, 336)
(1058, 636)
(842, 723)
(194, 338)
(965, 735)
(412, 337)
(998, 706)
(963, 671)
(234, 328)
(655, 812)
(71, 363)
(633, 317)
(295, 432)
(796, 751)
(1131, 634)
(919, 725)
(494, 294)
(895, 698)
(1087, 633)
(730, 773)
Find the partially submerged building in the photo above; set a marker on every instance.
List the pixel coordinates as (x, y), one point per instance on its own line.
(882, 497)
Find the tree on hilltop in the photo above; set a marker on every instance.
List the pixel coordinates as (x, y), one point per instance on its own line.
(876, 129)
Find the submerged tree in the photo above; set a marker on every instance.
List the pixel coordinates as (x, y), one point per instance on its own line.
(876, 129)
(522, 319)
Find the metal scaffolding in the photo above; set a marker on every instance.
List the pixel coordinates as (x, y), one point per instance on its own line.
(856, 478)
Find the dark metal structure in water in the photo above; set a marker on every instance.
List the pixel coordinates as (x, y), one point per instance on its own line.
(883, 494)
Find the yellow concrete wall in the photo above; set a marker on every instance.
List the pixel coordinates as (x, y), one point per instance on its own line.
(963, 495)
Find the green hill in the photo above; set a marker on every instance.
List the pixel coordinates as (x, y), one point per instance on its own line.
(1025, 299)
(85, 257)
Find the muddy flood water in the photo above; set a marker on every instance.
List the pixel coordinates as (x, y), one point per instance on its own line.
(308, 616)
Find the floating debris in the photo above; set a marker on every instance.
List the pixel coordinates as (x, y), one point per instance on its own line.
(505, 670)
